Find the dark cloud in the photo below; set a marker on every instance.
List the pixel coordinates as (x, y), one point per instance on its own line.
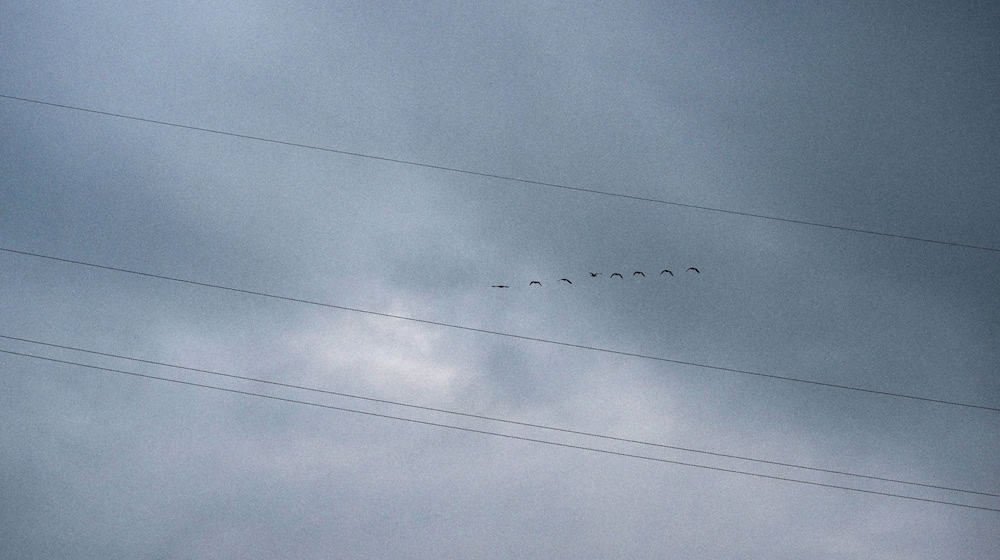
(867, 117)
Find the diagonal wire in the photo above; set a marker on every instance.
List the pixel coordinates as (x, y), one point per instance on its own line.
(501, 333)
(499, 434)
(492, 418)
(521, 180)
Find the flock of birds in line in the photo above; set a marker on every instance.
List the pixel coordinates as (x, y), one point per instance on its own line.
(596, 274)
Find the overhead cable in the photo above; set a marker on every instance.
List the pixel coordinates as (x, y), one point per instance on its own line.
(503, 435)
(521, 180)
(491, 418)
(500, 333)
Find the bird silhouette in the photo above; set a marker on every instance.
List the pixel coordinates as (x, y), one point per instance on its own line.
(666, 271)
(694, 269)
(499, 286)
(638, 272)
(595, 274)
(616, 274)
(533, 282)
(565, 280)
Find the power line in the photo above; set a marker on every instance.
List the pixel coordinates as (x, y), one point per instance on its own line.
(491, 418)
(498, 434)
(500, 333)
(521, 180)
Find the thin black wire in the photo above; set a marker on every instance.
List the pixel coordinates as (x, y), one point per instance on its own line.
(498, 434)
(502, 177)
(500, 333)
(492, 418)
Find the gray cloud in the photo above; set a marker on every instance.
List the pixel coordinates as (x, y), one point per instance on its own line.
(870, 117)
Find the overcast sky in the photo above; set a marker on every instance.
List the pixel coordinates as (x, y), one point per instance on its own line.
(856, 115)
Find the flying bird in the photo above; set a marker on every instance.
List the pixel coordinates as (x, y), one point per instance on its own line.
(694, 269)
(616, 274)
(638, 272)
(565, 280)
(595, 274)
(666, 271)
(533, 282)
(499, 286)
